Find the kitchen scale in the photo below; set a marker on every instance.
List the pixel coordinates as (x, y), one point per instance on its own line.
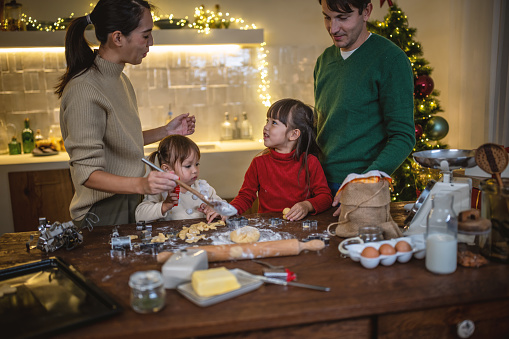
(446, 160)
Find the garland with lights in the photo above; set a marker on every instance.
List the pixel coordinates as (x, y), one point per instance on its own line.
(411, 178)
(204, 21)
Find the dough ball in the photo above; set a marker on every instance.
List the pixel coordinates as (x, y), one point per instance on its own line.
(285, 211)
(246, 234)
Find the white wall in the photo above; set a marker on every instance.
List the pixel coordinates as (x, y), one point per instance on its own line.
(445, 30)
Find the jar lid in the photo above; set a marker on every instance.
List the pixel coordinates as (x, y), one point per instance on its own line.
(146, 280)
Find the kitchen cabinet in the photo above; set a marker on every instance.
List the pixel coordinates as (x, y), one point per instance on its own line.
(36, 194)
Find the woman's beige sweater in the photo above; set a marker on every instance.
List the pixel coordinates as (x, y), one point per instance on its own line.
(101, 129)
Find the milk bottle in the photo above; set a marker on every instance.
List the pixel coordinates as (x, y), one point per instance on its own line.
(441, 235)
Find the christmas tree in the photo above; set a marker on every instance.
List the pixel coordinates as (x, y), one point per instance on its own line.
(410, 178)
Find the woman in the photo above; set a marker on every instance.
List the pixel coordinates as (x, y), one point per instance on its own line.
(99, 117)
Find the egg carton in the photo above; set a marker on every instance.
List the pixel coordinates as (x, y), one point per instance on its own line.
(416, 242)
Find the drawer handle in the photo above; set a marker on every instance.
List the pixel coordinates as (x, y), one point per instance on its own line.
(466, 328)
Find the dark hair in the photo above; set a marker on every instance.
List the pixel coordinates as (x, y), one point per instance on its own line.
(107, 17)
(346, 5)
(295, 114)
(174, 149)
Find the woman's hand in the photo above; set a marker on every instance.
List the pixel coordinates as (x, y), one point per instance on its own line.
(299, 210)
(158, 182)
(183, 124)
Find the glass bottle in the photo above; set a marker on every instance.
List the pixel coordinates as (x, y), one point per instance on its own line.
(14, 146)
(147, 291)
(27, 137)
(13, 16)
(226, 128)
(246, 129)
(38, 136)
(441, 235)
(236, 128)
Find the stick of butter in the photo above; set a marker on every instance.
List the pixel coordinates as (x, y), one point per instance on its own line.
(214, 281)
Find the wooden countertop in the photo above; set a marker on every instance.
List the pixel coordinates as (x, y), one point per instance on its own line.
(357, 295)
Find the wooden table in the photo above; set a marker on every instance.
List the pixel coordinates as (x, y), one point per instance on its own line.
(402, 300)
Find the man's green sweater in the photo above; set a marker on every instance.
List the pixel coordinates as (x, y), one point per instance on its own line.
(364, 109)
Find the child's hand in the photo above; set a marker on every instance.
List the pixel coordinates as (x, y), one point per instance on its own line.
(169, 202)
(210, 214)
(299, 210)
(335, 202)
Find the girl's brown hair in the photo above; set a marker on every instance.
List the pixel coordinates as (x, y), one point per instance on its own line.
(174, 149)
(295, 114)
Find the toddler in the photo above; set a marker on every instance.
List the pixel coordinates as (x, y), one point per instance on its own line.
(181, 155)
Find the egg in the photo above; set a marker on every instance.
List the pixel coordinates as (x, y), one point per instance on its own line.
(370, 252)
(387, 249)
(403, 246)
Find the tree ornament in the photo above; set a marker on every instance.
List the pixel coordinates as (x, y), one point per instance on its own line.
(437, 128)
(388, 1)
(418, 131)
(423, 86)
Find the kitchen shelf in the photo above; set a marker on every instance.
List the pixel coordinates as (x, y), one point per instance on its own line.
(161, 37)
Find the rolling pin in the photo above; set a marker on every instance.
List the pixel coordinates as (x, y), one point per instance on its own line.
(265, 249)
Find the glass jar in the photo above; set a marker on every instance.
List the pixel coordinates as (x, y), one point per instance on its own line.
(495, 207)
(12, 16)
(147, 291)
(441, 235)
(473, 239)
(370, 233)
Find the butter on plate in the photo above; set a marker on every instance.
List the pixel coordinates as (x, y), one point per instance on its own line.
(214, 281)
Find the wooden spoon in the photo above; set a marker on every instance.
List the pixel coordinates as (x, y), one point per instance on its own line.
(220, 207)
(493, 159)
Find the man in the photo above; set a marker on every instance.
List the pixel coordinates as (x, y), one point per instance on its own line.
(363, 97)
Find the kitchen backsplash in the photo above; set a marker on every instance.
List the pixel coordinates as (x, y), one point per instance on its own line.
(203, 80)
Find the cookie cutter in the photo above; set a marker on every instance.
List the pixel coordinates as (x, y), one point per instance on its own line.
(237, 222)
(318, 236)
(121, 243)
(275, 221)
(309, 225)
(141, 226)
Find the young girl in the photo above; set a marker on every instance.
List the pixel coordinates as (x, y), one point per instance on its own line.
(179, 154)
(287, 173)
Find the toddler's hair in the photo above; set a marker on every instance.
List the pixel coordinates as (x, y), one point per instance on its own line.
(173, 149)
(295, 114)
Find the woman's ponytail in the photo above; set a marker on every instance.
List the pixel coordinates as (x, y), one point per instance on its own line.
(79, 56)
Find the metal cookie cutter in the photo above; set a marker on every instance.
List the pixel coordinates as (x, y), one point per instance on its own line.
(309, 225)
(141, 226)
(278, 272)
(318, 236)
(275, 221)
(236, 222)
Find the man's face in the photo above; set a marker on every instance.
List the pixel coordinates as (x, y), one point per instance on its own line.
(345, 28)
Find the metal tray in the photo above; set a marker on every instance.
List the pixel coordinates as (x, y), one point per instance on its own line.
(50, 297)
(247, 284)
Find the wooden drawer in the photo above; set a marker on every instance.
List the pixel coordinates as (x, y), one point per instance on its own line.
(490, 320)
(355, 329)
(36, 194)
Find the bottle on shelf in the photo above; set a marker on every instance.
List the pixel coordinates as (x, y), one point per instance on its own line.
(169, 116)
(14, 146)
(236, 128)
(38, 136)
(246, 129)
(226, 128)
(441, 235)
(27, 138)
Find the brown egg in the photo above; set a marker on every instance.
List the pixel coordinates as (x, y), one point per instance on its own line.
(370, 252)
(387, 249)
(403, 246)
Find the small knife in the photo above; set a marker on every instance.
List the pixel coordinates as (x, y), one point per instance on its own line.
(288, 283)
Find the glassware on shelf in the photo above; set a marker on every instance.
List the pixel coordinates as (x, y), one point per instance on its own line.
(27, 138)
(14, 146)
(246, 129)
(226, 128)
(441, 235)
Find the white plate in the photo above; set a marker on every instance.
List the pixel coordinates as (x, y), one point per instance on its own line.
(247, 284)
